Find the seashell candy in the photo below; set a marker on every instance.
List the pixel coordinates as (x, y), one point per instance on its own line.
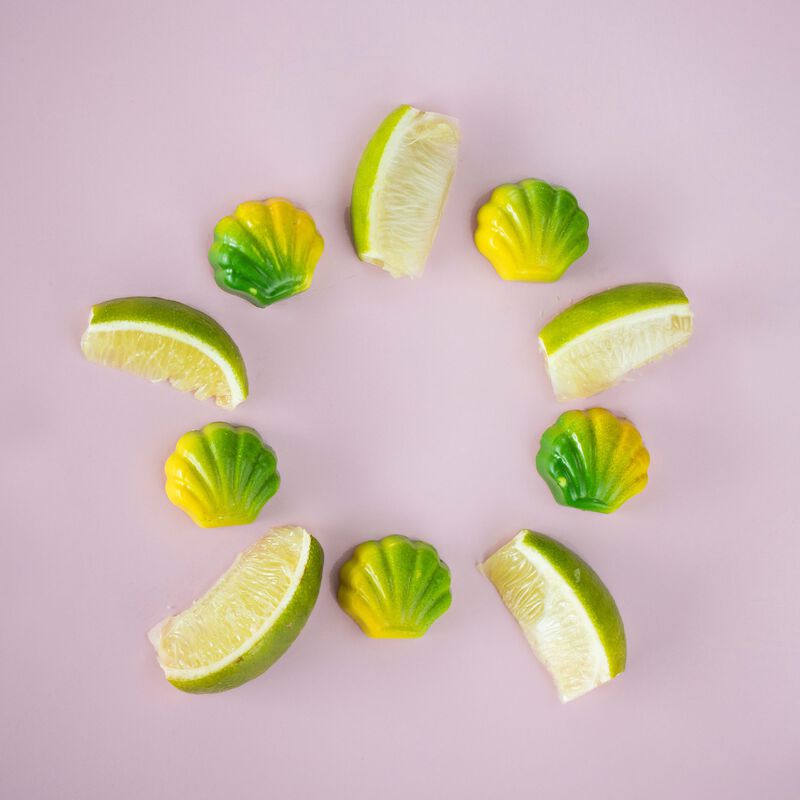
(221, 475)
(265, 251)
(531, 231)
(394, 588)
(593, 460)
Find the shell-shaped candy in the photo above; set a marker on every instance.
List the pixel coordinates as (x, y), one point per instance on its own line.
(394, 588)
(265, 251)
(593, 460)
(531, 231)
(221, 475)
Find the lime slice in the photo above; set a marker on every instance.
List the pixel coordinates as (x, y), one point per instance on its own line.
(247, 620)
(566, 613)
(594, 343)
(400, 188)
(165, 340)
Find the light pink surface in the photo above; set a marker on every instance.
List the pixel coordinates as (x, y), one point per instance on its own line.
(401, 407)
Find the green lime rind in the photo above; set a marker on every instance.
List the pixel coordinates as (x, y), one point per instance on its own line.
(275, 642)
(590, 591)
(173, 315)
(599, 309)
(365, 181)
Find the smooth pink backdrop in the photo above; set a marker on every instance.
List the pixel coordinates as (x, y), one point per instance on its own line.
(129, 129)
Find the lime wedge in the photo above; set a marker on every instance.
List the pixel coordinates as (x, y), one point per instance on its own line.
(596, 342)
(247, 620)
(400, 188)
(566, 613)
(165, 340)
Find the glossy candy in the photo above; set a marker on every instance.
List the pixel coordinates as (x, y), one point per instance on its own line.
(593, 460)
(394, 588)
(221, 475)
(531, 231)
(266, 251)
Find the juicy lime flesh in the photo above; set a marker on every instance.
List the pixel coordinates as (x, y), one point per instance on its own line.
(158, 357)
(599, 358)
(557, 626)
(234, 612)
(165, 340)
(412, 182)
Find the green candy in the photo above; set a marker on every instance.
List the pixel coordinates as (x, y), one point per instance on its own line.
(395, 588)
(265, 252)
(593, 460)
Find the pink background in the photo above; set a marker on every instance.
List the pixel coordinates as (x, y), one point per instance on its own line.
(396, 406)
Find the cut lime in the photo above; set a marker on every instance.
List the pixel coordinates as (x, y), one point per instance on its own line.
(247, 620)
(400, 188)
(594, 343)
(565, 611)
(165, 340)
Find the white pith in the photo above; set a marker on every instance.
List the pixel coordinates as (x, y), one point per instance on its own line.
(183, 674)
(559, 602)
(376, 252)
(236, 389)
(567, 385)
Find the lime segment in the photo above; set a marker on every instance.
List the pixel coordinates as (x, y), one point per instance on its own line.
(596, 342)
(248, 619)
(400, 189)
(565, 611)
(166, 340)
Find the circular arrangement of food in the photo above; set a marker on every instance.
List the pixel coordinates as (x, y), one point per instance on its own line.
(395, 586)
